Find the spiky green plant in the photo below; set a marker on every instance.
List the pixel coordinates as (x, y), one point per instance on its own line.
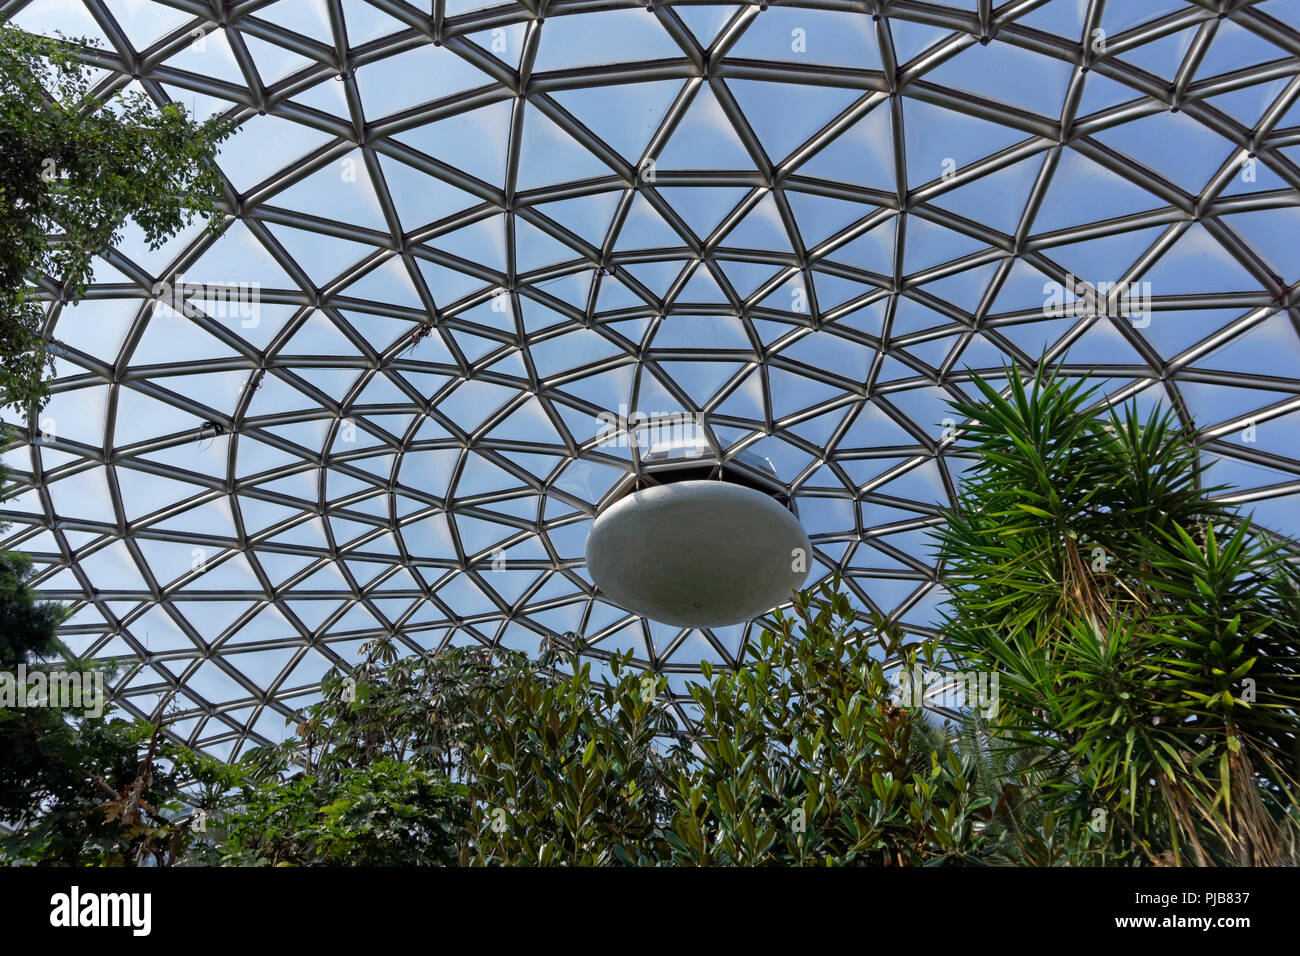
(1145, 635)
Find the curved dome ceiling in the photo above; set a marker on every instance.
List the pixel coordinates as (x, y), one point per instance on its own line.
(805, 223)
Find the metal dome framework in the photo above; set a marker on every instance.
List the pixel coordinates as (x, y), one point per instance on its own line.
(406, 441)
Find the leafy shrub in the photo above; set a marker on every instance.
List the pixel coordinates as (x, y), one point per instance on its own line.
(806, 756)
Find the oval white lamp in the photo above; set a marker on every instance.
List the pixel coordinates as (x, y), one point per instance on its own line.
(698, 553)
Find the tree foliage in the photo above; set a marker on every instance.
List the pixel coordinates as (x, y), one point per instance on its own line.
(27, 624)
(802, 756)
(74, 167)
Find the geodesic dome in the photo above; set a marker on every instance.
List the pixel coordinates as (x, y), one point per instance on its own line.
(460, 234)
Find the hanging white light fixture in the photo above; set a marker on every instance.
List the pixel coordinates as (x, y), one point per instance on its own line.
(707, 544)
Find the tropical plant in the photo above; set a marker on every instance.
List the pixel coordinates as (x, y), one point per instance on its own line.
(382, 813)
(1040, 813)
(375, 771)
(27, 624)
(424, 710)
(113, 792)
(1145, 635)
